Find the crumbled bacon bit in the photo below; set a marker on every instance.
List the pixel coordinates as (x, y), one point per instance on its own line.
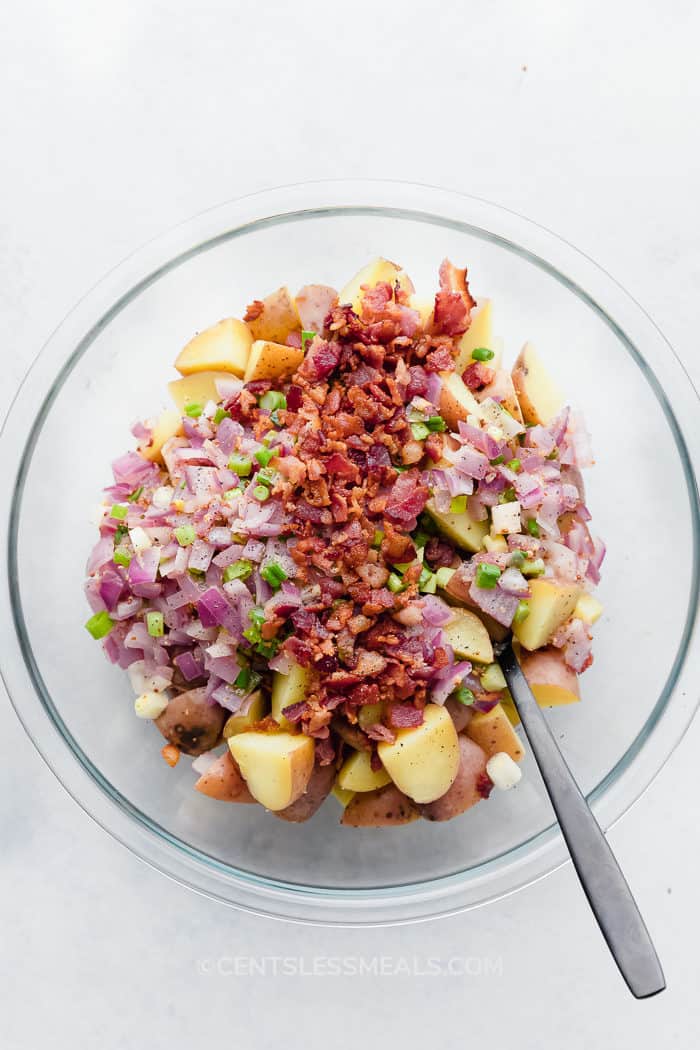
(478, 375)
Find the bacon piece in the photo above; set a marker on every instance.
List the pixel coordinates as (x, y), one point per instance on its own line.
(453, 303)
(478, 375)
(403, 716)
(321, 358)
(406, 499)
(440, 360)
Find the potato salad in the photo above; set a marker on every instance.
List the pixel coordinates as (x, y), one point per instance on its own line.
(303, 566)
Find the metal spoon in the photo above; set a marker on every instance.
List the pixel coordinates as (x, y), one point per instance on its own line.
(603, 883)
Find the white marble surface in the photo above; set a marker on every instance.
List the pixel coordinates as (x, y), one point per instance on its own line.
(120, 120)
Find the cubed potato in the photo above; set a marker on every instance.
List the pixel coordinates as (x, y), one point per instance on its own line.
(276, 767)
(423, 761)
(356, 773)
(343, 796)
(468, 637)
(383, 808)
(551, 680)
(375, 271)
(501, 388)
(467, 788)
(370, 714)
(425, 308)
(461, 528)
(313, 303)
(551, 605)
(274, 317)
(493, 732)
(540, 400)
(288, 689)
(255, 713)
(456, 401)
(272, 361)
(317, 791)
(191, 723)
(510, 709)
(588, 608)
(197, 389)
(479, 333)
(166, 426)
(224, 782)
(222, 348)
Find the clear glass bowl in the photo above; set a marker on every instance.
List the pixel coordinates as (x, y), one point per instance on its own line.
(107, 365)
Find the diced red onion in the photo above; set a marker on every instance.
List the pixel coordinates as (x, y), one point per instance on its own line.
(447, 680)
(513, 582)
(436, 613)
(212, 608)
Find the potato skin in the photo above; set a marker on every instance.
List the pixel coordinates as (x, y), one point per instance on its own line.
(317, 791)
(224, 782)
(465, 791)
(385, 807)
(460, 714)
(191, 723)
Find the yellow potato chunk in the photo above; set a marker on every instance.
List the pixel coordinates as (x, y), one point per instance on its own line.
(456, 401)
(479, 334)
(222, 348)
(240, 723)
(288, 689)
(277, 317)
(493, 732)
(423, 761)
(198, 388)
(551, 605)
(461, 528)
(356, 774)
(501, 389)
(425, 309)
(588, 608)
(370, 714)
(469, 638)
(275, 766)
(343, 796)
(552, 682)
(168, 425)
(540, 400)
(272, 360)
(375, 271)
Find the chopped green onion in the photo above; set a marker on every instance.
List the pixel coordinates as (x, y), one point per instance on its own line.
(535, 567)
(306, 337)
(515, 465)
(378, 537)
(497, 460)
(419, 431)
(261, 493)
(427, 582)
(267, 476)
(420, 539)
(118, 512)
(240, 465)
(240, 570)
(487, 575)
(395, 583)
(268, 650)
(220, 414)
(482, 353)
(464, 696)
(185, 535)
(194, 409)
(243, 678)
(533, 528)
(252, 635)
(264, 455)
(231, 494)
(122, 558)
(154, 622)
(100, 625)
(517, 559)
(257, 616)
(135, 495)
(444, 575)
(197, 574)
(273, 400)
(458, 505)
(120, 534)
(521, 613)
(274, 574)
(436, 424)
(507, 496)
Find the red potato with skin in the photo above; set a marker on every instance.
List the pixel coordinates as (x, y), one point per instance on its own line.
(223, 781)
(551, 680)
(317, 791)
(460, 714)
(313, 303)
(501, 389)
(383, 808)
(191, 723)
(468, 787)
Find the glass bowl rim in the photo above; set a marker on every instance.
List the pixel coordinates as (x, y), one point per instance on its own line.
(328, 905)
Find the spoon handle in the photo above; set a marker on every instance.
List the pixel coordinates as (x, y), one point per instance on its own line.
(603, 883)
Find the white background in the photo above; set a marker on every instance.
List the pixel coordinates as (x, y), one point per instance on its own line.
(118, 120)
